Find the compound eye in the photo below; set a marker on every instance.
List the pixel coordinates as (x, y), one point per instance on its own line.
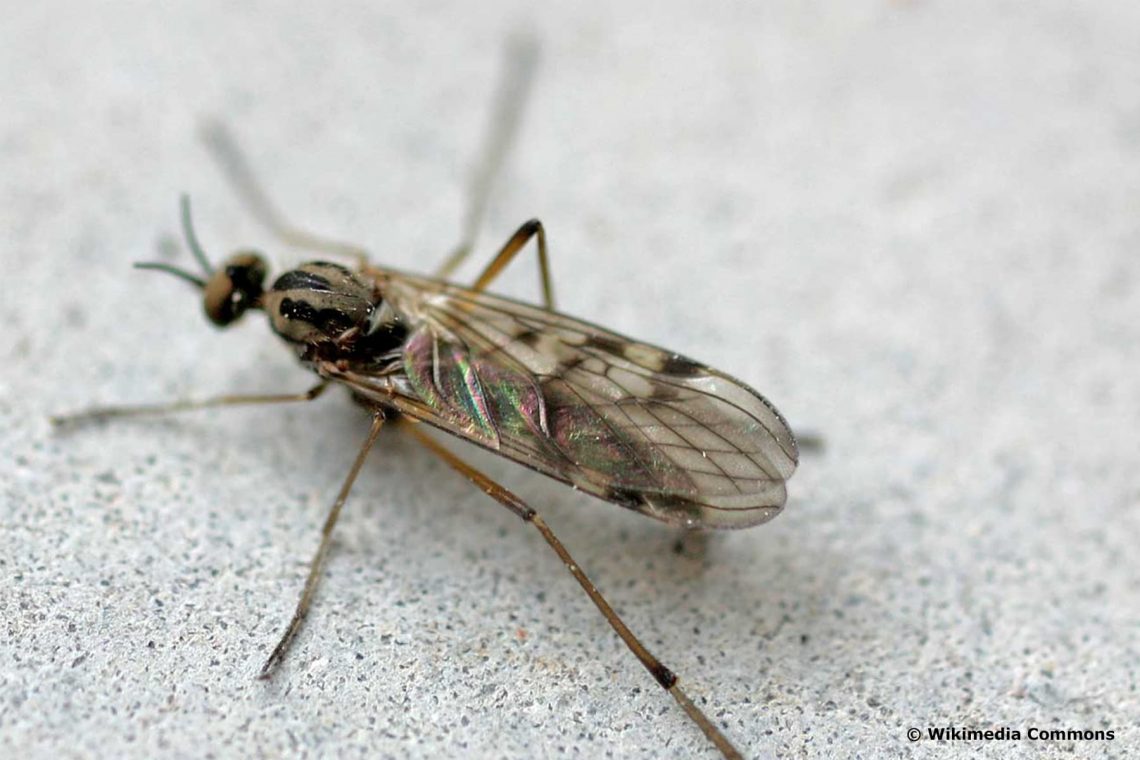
(235, 287)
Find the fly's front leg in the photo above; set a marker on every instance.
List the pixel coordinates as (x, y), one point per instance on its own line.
(531, 229)
(107, 412)
(236, 168)
(318, 561)
(663, 675)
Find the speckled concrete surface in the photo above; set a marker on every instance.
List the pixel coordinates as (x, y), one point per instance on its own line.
(914, 226)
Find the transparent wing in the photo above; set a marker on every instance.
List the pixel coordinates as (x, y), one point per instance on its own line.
(626, 421)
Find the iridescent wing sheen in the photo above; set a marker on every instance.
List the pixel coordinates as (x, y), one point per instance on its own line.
(626, 421)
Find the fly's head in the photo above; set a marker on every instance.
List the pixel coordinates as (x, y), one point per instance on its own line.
(234, 287)
(326, 310)
(228, 291)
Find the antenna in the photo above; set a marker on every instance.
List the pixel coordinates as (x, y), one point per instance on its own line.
(195, 248)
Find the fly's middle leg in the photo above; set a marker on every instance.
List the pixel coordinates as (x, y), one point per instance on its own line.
(517, 241)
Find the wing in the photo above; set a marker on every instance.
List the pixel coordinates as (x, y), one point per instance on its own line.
(625, 421)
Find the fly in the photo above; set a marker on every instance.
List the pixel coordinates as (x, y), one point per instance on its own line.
(628, 422)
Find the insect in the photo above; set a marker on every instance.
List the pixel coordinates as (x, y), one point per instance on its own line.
(625, 421)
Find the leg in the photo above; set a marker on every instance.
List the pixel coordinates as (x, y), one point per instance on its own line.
(105, 412)
(530, 229)
(236, 168)
(662, 674)
(318, 560)
(514, 87)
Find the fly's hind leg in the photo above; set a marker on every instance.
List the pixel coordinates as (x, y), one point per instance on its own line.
(318, 561)
(663, 675)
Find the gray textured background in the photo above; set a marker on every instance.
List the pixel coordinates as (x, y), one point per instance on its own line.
(914, 226)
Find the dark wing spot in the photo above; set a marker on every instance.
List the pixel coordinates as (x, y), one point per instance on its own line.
(662, 392)
(680, 366)
(606, 344)
(663, 506)
(529, 338)
(626, 497)
(673, 508)
(563, 368)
